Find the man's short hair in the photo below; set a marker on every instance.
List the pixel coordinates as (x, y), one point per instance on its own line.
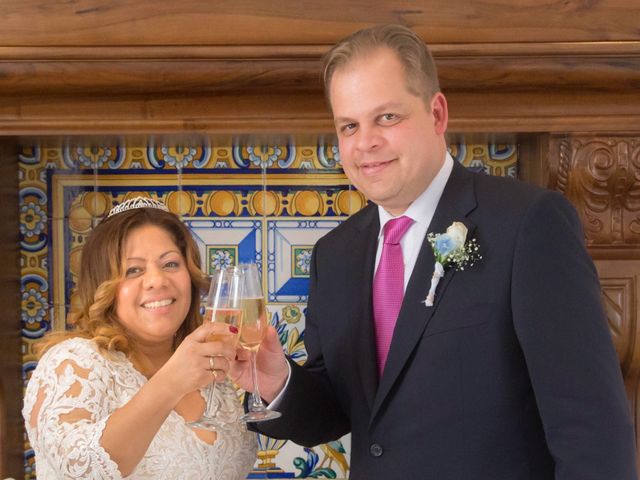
(413, 53)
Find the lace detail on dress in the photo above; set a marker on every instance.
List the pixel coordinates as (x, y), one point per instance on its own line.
(69, 399)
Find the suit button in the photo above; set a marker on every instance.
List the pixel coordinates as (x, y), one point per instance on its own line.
(376, 450)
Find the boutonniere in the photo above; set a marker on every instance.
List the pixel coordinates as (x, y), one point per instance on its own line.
(451, 249)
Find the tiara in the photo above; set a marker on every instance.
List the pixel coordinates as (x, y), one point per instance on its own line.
(137, 202)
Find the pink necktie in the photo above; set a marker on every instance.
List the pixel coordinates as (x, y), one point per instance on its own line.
(388, 286)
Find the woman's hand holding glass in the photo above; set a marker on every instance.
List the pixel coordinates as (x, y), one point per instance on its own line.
(224, 312)
(190, 367)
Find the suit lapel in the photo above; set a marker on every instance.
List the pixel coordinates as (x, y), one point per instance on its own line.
(362, 255)
(457, 201)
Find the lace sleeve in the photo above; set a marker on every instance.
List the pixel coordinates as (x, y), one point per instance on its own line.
(67, 404)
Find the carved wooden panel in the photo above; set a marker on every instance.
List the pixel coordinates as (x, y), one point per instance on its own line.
(600, 174)
(620, 280)
(619, 294)
(601, 177)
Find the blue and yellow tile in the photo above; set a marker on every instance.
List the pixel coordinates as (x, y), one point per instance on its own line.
(243, 201)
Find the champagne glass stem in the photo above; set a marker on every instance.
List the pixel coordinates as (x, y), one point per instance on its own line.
(212, 400)
(255, 403)
(257, 411)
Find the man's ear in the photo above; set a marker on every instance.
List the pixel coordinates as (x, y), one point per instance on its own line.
(440, 112)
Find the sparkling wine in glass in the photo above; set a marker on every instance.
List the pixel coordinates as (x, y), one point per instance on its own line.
(223, 305)
(252, 332)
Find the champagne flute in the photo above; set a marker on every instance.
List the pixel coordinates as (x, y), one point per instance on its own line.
(252, 332)
(223, 305)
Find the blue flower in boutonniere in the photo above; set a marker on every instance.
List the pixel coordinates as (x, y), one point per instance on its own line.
(451, 248)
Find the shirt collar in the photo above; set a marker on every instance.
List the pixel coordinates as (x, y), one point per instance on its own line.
(422, 208)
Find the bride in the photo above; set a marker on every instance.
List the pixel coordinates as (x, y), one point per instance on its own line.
(111, 399)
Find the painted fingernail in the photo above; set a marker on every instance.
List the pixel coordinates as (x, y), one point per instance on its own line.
(233, 329)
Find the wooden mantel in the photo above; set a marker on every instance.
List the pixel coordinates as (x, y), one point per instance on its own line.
(230, 67)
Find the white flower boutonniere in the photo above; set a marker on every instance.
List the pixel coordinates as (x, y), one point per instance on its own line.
(451, 248)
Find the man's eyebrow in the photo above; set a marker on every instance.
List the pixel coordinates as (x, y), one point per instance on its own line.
(337, 120)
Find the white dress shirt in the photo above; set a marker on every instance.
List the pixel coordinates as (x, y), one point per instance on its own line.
(421, 212)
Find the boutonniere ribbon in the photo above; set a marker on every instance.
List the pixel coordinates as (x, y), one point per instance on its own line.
(451, 249)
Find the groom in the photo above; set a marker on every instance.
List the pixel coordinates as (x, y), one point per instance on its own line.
(511, 373)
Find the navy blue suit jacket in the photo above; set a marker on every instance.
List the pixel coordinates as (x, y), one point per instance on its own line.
(510, 375)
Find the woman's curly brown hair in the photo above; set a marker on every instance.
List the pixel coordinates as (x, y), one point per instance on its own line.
(93, 310)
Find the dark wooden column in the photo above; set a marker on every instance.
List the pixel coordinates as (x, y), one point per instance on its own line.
(11, 429)
(600, 174)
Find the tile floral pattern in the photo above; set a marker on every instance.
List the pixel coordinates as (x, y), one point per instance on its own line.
(267, 204)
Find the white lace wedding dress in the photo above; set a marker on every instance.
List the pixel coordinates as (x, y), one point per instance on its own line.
(66, 448)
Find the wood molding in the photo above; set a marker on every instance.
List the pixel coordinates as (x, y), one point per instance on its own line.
(515, 87)
(112, 66)
(303, 112)
(590, 66)
(227, 22)
(600, 174)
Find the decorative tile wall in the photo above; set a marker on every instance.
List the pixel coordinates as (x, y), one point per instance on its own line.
(243, 202)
